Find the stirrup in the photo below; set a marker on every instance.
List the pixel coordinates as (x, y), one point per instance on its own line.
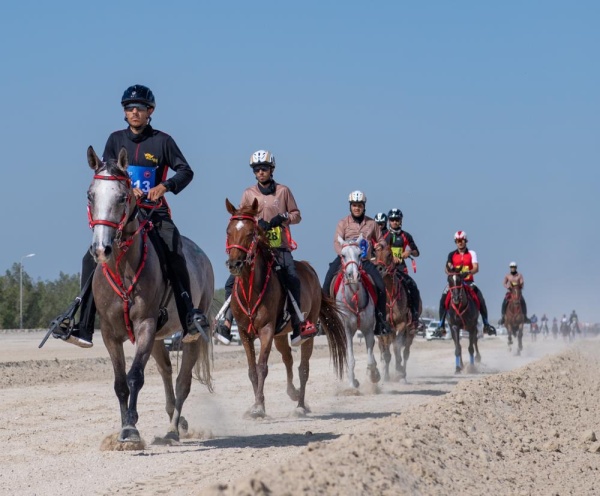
(197, 324)
(223, 333)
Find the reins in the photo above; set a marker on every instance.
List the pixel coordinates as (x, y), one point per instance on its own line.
(113, 276)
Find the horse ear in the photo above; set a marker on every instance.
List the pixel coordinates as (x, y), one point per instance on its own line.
(229, 206)
(123, 160)
(93, 161)
(255, 205)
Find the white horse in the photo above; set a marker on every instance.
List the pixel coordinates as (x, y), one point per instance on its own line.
(357, 308)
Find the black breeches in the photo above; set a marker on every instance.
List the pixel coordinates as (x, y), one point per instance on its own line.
(371, 269)
(334, 268)
(414, 296)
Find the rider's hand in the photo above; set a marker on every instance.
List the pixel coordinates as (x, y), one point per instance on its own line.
(263, 224)
(138, 193)
(157, 192)
(278, 220)
(397, 260)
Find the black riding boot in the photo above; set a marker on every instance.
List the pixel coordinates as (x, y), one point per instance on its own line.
(334, 268)
(381, 325)
(503, 310)
(223, 330)
(441, 330)
(414, 296)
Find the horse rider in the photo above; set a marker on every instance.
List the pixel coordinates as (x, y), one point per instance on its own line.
(350, 227)
(465, 261)
(513, 278)
(544, 322)
(277, 210)
(381, 219)
(151, 154)
(574, 321)
(403, 246)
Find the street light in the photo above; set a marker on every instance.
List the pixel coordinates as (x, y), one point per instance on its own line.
(21, 289)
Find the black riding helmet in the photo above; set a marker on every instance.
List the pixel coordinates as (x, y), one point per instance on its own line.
(395, 213)
(138, 94)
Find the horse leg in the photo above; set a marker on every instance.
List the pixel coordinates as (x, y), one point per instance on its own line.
(262, 370)
(407, 339)
(520, 339)
(117, 356)
(472, 338)
(252, 372)
(457, 350)
(306, 350)
(397, 344)
(386, 355)
(282, 345)
(350, 361)
(165, 369)
(371, 362)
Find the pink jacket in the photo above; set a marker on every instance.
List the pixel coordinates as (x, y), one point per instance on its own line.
(510, 280)
(348, 228)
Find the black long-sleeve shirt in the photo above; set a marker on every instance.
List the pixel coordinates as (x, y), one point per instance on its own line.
(152, 148)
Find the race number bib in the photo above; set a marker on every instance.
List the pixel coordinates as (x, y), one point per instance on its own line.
(274, 237)
(397, 251)
(142, 177)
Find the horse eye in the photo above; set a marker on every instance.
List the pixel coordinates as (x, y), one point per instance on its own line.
(123, 198)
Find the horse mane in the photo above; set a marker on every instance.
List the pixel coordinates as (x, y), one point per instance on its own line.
(112, 168)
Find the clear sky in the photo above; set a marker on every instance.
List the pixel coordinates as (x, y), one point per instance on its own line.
(479, 116)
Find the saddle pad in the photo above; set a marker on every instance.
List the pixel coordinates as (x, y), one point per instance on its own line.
(471, 292)
(368, 284)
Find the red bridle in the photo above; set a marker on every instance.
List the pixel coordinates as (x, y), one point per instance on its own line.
(116, 225)
(251, 250)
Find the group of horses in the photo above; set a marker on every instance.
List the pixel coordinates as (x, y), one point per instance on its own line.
(121, 247)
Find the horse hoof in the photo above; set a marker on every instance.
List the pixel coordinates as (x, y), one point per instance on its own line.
(129, 435)
(172, 436)
(183, 424)
(458, 370)
(471, 369)
(255, 413)
(355, 383)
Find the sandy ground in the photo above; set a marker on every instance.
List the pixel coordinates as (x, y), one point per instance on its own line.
(521, 425)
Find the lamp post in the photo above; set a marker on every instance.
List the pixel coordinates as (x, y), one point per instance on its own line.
(21, 289)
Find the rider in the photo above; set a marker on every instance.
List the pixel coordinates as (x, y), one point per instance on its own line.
(544, 322)
(403, 246)
(513, 278)
(381, 220)
(151, 154)
(351, 227)
(465, 261)
(574, 320)
(277, 210)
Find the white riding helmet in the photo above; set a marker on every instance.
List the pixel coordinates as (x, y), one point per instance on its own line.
(513, 264)
(460, 235)
(357, 197)
(262, 157)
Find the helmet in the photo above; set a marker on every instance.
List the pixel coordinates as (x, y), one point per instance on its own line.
(380, 218)
(395, 213)
(357, 197)
(138, 94)
(513, 264)
(262, 157)
(460, 235)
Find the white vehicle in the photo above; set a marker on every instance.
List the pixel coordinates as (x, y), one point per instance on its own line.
(235, 333)
(432, 328)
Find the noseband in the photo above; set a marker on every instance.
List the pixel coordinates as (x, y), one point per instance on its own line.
(251, 250)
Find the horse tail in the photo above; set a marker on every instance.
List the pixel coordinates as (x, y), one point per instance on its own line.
(332, 324)
(203, 365)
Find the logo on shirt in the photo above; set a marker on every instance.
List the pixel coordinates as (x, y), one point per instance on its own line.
(151, 158)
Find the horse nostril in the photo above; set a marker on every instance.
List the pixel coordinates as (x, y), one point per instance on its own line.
(107, 251)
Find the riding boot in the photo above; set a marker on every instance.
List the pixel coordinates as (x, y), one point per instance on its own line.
(334, 268)
(524, 310)
(487, 327)
(223, 329)
(441, 330)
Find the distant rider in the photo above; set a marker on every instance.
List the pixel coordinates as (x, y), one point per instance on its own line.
(513, 278)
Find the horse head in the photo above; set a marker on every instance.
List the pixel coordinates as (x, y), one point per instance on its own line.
(243, 237)
(110, 203)
(384, 260)
(456, 286)
(351, 259)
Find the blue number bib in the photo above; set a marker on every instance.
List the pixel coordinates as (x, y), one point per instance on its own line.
(142, 177)
(364, 248)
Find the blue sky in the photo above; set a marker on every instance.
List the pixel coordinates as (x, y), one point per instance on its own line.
(479, 116)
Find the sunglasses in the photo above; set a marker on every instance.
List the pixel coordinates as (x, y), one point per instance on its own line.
(461, 241)
(261, 168)
(137, 106)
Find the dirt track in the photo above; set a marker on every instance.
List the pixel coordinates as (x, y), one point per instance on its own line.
(517, 433)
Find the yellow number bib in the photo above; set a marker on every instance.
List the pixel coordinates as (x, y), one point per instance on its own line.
(397, 251)
(274, 237)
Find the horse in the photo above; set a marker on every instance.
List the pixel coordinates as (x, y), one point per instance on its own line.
(131, 295)
(565, 330)
(258, 301)
(462, 314)
(555, 329)
(357, 307)
(544, 329)
(514, 317)
(397, 315)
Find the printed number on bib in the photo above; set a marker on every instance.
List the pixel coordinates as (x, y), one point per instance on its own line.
(397, 251)
(274, 237)
(142, 177)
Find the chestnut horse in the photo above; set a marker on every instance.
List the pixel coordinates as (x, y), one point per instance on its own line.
(397, 315)
(132, 294)
(514, 318)
(257, 303)
(463, 314)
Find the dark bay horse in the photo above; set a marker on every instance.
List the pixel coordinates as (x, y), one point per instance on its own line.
(463, 314)
(129, 290)
(397, 315)
(514, 318)
(257, 303)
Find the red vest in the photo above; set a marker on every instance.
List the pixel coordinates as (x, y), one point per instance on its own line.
(465, 261)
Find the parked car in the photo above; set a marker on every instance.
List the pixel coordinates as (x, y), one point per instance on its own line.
(423, 323)
(432, 328)
(173, 342)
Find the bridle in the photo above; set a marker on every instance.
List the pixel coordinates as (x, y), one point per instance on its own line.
(349, 263)
(251, 250)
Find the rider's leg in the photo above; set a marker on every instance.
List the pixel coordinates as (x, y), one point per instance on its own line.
(414, 296)
(81, 333)
(503, 310)
(334, 268)
(483, 311)
(179, 276)
(442, 311)
(524, 310)
(381, 325)
(224, 328)
(301, 329)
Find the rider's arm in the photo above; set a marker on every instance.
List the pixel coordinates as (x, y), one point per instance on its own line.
(177, 162)
(475, 268)
(414, 251)
(289, 204)
(340, 231)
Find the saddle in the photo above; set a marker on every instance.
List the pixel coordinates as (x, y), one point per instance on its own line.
(368, 283)
(470, 292)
